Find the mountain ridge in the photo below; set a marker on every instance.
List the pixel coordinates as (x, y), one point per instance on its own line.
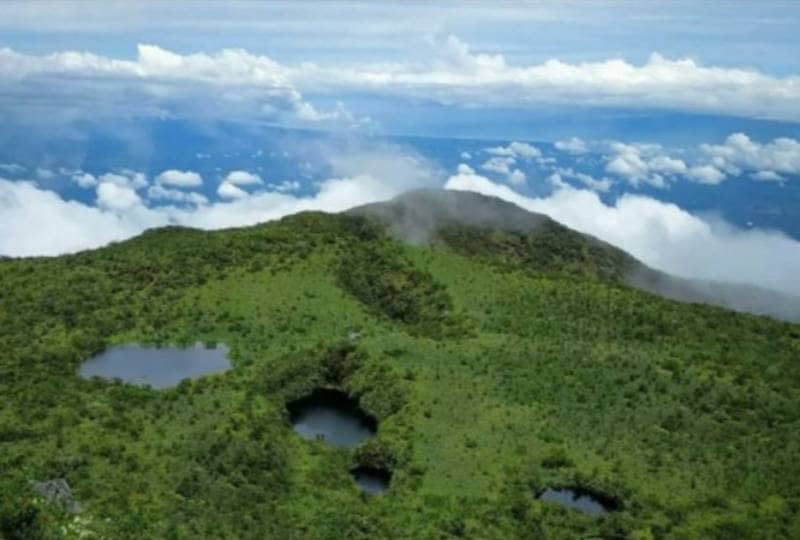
(417, 216)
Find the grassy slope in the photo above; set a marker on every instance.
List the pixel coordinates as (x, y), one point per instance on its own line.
(494, 373)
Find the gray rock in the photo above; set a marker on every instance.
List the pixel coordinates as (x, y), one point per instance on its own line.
(57, 492)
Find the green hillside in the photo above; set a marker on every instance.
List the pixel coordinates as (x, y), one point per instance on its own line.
(500, 356)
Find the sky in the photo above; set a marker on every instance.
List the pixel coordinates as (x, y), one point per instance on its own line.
(670, 129)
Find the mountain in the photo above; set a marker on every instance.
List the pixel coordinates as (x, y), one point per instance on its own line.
(416, 216)
(426, 216)
(500, 356)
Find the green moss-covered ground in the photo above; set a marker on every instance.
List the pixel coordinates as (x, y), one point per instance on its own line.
(497, 363)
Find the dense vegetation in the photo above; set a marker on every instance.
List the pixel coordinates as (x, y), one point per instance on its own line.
(498, 363)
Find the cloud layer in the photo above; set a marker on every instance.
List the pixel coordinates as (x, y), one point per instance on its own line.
(160, 82)
(457, 75)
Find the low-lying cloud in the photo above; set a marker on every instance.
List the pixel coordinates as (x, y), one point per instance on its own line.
(36, 221)
(661, 235)
(771, 159)
(176, 178)
(652, 164)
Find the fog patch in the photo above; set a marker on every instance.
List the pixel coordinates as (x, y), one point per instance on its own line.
(738, 297)
(415, 216)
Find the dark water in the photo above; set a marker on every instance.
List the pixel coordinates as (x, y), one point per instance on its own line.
(159, 367)
(370, 480)
(579, 499)
(332, 416)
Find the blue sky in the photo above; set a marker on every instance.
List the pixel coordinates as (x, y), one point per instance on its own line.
(671, 129)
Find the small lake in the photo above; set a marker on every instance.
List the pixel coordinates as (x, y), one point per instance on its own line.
(332, 416)
(371, 481)
(158, 367)
(580, 499)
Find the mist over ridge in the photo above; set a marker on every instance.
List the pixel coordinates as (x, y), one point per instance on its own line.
(416, 216)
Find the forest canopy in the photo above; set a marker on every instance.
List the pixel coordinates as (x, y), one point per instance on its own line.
(497, 363)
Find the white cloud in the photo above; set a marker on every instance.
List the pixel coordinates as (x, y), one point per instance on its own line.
(334, 195)
(516, 149)
(229, 187)
(662, 235)
(242, 85)
(637, 164)
(457, 75)
(573, 145)
(500, 165)
(84, 179)
(767, 176)
(524, 150)
(706, 174)
(782, 155)
(393, 165)
(602, 185)
(173, 177)
(649, 163)
(35, 221)
(667, 165)
(517, 177)
(113, 196)
(242, 178)
(503, 165)
(454, 55)
(125, 178)
(505, 157)
(466, 155)
(231, 84)
(12, 168)
(159, 192)
(644, 164)
(226, 190)
(628, 164)
(286, 186)
(44, 174)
